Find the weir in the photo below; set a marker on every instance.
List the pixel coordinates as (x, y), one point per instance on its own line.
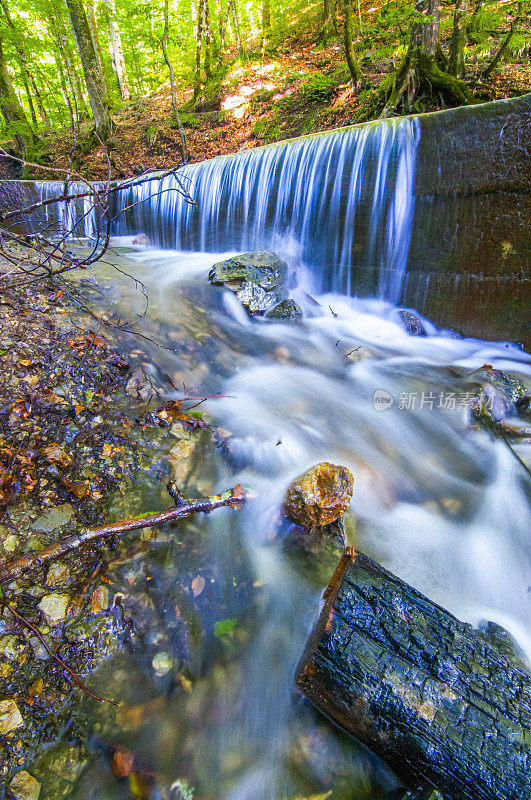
(428, 211)
(344, 200)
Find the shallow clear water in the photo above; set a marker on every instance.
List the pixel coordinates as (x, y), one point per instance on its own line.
(443, 507)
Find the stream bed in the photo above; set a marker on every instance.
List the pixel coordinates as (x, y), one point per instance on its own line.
(442, 505)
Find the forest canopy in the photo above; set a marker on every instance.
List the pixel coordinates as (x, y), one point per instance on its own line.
(68, 63)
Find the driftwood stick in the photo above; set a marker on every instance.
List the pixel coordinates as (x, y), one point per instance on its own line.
(232, 498)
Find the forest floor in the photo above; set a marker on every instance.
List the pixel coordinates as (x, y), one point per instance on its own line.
(85, 437)
(296, 89)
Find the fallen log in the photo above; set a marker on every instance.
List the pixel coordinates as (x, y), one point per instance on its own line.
(232, 498)
(432, 696)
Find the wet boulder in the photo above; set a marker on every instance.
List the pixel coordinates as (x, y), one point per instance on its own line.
(285, 311)
(142, 239)
(411, 322)
(257, 279)
(319, 496)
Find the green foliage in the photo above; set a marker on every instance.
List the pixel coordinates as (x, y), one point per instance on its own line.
(318, 89)
(224, 626)
(189, 120)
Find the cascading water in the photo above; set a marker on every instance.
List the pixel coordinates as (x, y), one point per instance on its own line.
(346, 198)
(442, 506)
(76, 217)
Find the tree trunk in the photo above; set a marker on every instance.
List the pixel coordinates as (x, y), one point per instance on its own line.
(424, 35)
(352, 61)
(94, 78)
(172, 85)
(266, 23)
(456, 59)
(26, 67)
(439, 701)
(223, 25)
(236, 27)
(324, 32)
(497, 58)
(117, 51)
(207, 32)
(475, 23)
(198, 43)
(90, 9)
(13, 113)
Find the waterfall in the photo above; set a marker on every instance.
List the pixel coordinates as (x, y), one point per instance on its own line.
(342, 201)
(345, 199)
(76, 217)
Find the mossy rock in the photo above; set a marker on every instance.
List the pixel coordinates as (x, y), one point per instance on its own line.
(262, 267)
(286, 310)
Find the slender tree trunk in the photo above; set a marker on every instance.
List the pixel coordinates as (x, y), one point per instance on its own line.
(324, 31)
(475, 22)
(94, 78)
(90, 9)
(208, 40)
(497, 58)
(352, 61)
(172, 86)
(236, 27)
(223, 25)
(13, 113)
(25, 66)
(198, 42)
(266, 23)
(117, 51)
(38, 98)
(456, 59)
(24, 79)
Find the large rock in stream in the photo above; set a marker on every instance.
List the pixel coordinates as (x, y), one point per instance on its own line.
(257, 279)
(319, 496)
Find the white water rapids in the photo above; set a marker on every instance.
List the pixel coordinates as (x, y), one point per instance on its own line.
(441, 505)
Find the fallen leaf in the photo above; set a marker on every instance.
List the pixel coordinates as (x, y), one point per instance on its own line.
(122, 763)
(198, 584)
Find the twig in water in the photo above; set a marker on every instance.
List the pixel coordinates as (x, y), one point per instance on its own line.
(233, 498)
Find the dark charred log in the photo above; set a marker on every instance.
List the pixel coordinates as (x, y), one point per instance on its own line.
(437, 699)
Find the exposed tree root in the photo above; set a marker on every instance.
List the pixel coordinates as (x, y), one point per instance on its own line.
(418, 81)
(232, 498)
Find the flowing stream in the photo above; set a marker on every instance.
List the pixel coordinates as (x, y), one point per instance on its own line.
(442, 506)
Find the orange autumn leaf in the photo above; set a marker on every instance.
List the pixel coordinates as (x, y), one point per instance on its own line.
(198, 584)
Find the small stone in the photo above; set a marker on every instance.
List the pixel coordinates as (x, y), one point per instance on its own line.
(412, 323)
(162, 663)
(54, 607)
(25, 787)
(11, 543)
(54, 518)
(10, 646)
(58, 574)
(10, 716)
(142, 239)
(180, 459)
(100, 600)
(319, 496)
